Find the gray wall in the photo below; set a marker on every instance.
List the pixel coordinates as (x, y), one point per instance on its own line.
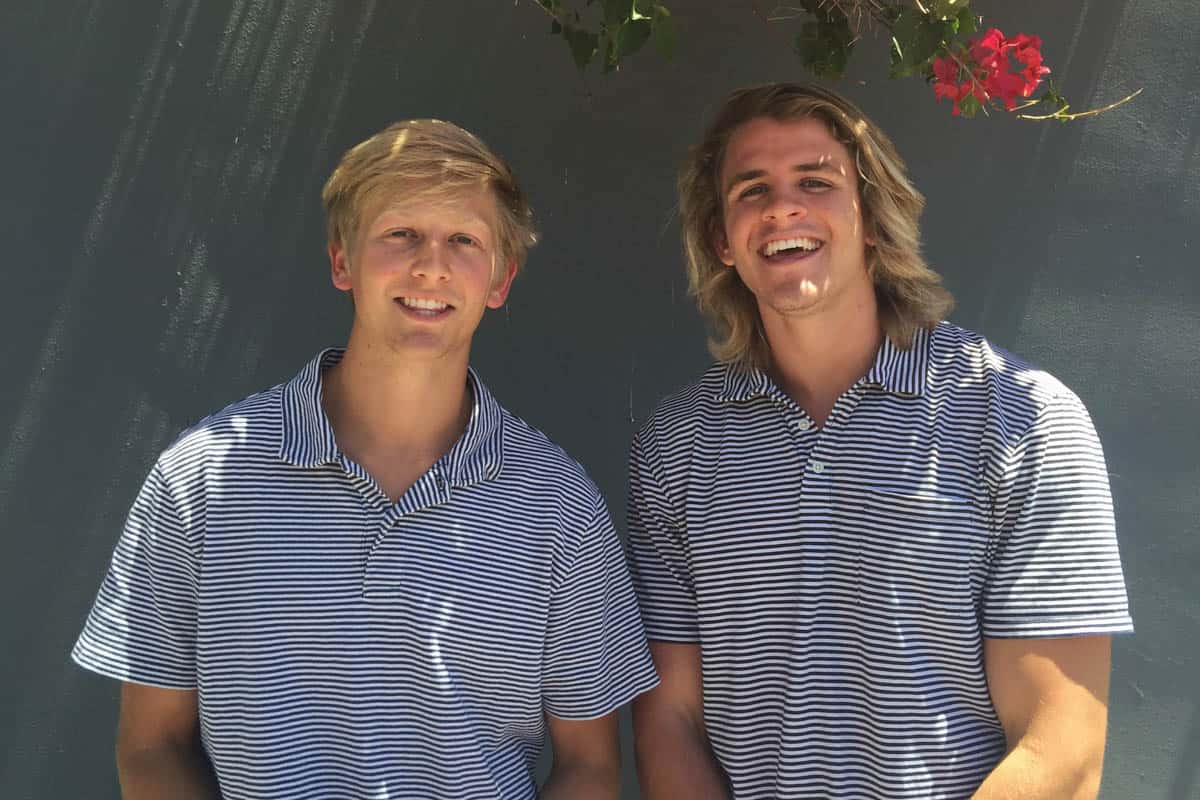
(163, 246)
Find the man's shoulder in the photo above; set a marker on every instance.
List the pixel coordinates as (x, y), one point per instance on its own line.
(689, 406)
(531, 452)
(251, 424)
(962, 359)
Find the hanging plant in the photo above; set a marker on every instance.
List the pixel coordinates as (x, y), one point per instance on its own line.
(623, 28)
(939, 40)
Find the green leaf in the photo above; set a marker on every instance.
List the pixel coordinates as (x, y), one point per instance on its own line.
(825, 47)
(610, 63)
(662, 28)
(947, 9)
(583, 45)
(644, 9)
(630, 37)
(617, 11)
(915, 41)
(968, 23)
(1053, 98)
(969, 106)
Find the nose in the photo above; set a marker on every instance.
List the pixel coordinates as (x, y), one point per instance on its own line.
(432, 261)
(784, 205)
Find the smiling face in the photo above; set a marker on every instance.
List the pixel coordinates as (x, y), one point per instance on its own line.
(793, 225)
(422, 273)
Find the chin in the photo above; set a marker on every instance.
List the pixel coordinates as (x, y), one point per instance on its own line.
(417, 346)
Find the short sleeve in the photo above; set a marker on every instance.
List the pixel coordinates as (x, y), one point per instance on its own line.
(658, 554)
(1056, 570)
(142, 627)
(596, 658)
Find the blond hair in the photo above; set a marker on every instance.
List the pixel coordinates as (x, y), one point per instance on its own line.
(910, 294)
(423, 159)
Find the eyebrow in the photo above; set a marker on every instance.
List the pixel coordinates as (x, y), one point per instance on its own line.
(812, 166)
(462, 220)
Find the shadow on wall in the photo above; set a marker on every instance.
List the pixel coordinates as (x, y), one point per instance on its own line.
(1187, 773)
(206, 157)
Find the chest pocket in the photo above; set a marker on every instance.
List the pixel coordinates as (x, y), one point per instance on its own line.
(916, 550)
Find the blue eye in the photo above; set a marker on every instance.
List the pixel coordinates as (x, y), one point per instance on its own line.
(462, 238)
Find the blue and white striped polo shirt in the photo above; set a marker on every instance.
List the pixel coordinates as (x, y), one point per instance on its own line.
(346, 647)
(840, 580)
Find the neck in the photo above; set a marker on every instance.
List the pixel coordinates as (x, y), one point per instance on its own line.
(379, 403)
(815, 358)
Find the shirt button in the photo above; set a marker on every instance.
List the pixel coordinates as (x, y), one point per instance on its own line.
(441, 482)
(818, 467)
(804, 424)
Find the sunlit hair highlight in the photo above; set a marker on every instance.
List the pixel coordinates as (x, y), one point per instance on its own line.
(910, 294)
(424, 160)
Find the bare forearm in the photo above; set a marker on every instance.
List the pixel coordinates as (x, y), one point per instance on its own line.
(678, 763)
(581, 783)
(167, 774)
(1027, 774)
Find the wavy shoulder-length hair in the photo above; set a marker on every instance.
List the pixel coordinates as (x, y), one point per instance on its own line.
(910, 294)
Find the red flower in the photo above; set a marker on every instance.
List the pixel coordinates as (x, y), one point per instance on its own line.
(1028, 50)
(990, 67)
(987, 50)
(1025, 47)
(946, 85)
(945, 70)
(945, 73)
(1007, 86)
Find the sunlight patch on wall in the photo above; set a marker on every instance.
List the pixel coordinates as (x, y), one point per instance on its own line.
(144, 117)
(198, 316)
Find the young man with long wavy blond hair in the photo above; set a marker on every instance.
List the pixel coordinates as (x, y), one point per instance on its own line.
(875, 553)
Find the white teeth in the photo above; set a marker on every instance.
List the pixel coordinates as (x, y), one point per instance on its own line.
(427, 305)
(800, 243)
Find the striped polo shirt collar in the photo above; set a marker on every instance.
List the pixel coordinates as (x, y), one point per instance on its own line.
(899, 371)
(742, 382)
(308, 439)
(895, 370)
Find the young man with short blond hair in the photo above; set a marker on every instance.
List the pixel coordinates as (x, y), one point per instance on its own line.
(373, 580)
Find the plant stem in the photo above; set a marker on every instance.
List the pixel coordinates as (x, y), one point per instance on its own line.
(758, 12)
(974, 80)
(549, 13)
(1062, 115)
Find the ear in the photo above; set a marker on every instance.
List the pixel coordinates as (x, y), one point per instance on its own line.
(339, 267)
(499, 291)
(720, 246)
